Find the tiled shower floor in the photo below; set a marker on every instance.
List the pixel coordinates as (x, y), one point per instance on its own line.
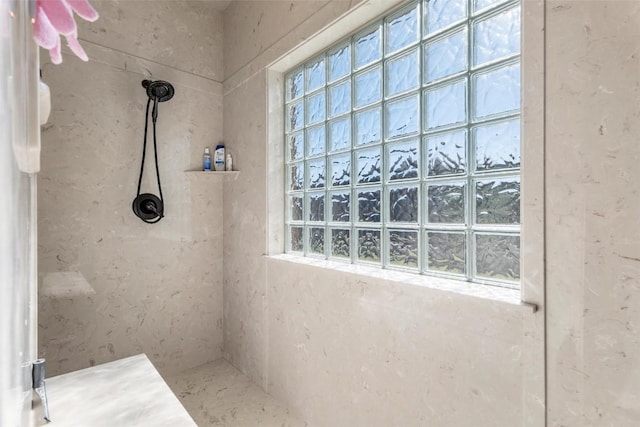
(217, 394)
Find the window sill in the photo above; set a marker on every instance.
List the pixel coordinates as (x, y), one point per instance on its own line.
(492, 293)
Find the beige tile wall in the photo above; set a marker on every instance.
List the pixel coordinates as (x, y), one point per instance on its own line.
(132, 287)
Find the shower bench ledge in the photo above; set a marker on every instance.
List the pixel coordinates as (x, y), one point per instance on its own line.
(123, 393)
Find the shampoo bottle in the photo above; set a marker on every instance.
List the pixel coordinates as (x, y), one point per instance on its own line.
(218, 158)
(229, 162)
(206, 160)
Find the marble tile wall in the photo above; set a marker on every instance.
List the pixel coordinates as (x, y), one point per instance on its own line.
(593, 211)
(111, 285)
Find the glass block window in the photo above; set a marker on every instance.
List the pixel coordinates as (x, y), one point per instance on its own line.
(403, 144)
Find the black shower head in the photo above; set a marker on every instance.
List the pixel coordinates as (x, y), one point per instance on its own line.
(159, 90)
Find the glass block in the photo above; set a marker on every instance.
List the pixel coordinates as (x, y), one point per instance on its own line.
(368, 87)
(403, 248)
(497, 91)
(316, 240)
(296, 146)
(341, 243)
(446, 56)
(402, 117)
(403, 29)
(316, 206)
(296, 205)
(296, 176)
(296, 239)
(498, 145)
(316, 141)
(498, 201)
(340, 169)
(446, 105)
(295, 85)
(481, 4)
(497, 36)
(315, 75)
(498, 256)
(403, 204)
(316, 108)
(316, 173)
(368, 165)
(446, 252)
(369, 205)
(369, 245)
(340, 99)
(340, 134)
(368, 47)
(446, 153)
(339, 63)
(440, 14)
(368, 126)
(446, 203)
(340, 206)
(403, 160)
(403, 73)
(295, 115)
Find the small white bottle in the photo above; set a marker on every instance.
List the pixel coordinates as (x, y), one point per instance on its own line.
(228, 165)
(218, 158)
(206, 160)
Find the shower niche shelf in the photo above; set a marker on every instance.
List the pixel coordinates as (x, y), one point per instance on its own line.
(226, 175)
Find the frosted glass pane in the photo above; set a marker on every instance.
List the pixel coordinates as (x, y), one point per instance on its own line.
(340, 243)
(403, 204)
(296, 176)
(403, 248)
(403, 160)
(316, 140)
(340, 206)
(446, 105)
(446, 252)
(446, 203)
(368, 165)
(295, 118)
(295, 85)
(316, 173)
(447, 56)
(446, 153)
(497, 91)
(369, 87)
(340, 98)
(315, 75)
(368, 48)
(481, 4)
(296, 146)
(340, 170)
(340, 134)
(369, 205)
(316, 240)
(403, 30)
(402, 117)
(296, 205)
(498, 201)
(498, 256)
(442, 13)
(369, 245)
(316, 108)
(403, 73)
(498, 145)
(497, 37)
(368, 127)
(296, 239)
(316, 207)
(339, 63)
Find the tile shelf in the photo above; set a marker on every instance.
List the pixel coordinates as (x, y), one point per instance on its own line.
(225, 175)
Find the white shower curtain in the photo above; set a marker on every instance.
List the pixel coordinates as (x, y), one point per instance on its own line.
(19, 160)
